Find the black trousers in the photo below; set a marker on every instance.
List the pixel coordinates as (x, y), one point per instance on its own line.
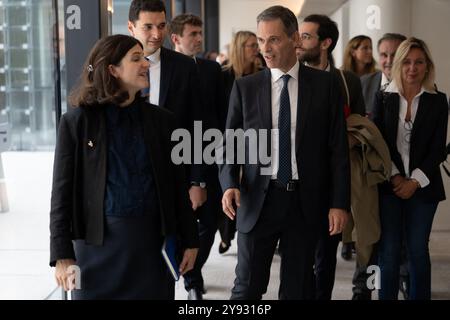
(207, 217)
(325, 264)
(281, 220)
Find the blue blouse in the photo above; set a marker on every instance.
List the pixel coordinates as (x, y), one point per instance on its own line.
(130, 188)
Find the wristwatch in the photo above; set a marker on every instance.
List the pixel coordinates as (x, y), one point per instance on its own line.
(198, 184)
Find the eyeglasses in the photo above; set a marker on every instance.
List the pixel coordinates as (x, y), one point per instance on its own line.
(408, 126)
(307, 36)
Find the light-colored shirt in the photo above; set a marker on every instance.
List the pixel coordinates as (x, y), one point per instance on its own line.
(384, 81)
(277, 86)
(155, 76)
(327, 69)
(405, 130)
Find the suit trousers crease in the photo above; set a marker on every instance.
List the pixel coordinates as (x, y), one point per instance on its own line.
(282, 220)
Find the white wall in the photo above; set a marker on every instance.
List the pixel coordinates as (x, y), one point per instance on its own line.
(431, 23)
(353, 16)
(427, 20)
(236, 15)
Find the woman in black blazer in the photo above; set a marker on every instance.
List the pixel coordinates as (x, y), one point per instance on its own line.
(412, 116)
(116, 193)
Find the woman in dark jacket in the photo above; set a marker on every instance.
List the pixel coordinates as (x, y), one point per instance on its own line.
(412, 116)
(116, 193)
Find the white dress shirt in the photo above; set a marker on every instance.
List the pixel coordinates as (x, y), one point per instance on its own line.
(384, 81)
(403, 145)
(155, 76)
(277, 86)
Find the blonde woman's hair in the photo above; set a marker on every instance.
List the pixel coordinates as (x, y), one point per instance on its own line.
(400, 56)
(349, 63)
(236, 60)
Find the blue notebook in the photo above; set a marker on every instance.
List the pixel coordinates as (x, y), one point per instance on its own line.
(169, 252)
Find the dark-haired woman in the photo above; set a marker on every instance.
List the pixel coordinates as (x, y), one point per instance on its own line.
(116, 193)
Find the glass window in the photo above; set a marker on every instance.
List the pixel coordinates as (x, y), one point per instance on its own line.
(18, 39)
(27, 142)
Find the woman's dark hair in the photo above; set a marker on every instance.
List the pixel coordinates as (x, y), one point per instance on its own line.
(96, 84)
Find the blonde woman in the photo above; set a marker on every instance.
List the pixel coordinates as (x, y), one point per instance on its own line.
(412, 116)
(358, 57)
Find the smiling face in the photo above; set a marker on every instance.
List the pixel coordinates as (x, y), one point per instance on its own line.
(277, 48)
(150, 29)
(132, 71)
(414, 68)
(386, 52)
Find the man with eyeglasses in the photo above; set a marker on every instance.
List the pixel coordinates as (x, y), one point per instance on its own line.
(318, 37)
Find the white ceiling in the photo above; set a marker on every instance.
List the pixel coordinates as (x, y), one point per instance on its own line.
(326, 7)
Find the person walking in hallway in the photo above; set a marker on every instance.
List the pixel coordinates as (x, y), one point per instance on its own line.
(173, 80)
(116, 194)
(318, 38)
(242, 62)
(186, 33)
(412, 116)
(306, 187)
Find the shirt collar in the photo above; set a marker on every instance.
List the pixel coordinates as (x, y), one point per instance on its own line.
(392, 88)
(327, 69)
(155, 57)
(293, 72)
(384, 79)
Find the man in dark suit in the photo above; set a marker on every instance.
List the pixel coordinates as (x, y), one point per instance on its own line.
(374, 82)
(173, 79)
(318, 37)
(306, 187)
(186, 33)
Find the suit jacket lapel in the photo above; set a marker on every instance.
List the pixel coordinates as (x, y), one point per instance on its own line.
(166, 74)
(392, 109)
(265, 101)
(303, 104)
(421, 112)
(392, 105)
(376, 84)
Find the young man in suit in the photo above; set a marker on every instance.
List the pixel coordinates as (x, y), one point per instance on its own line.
(173, 79)
(318, 37)
(186, 33)
(374, 82)
(306, 187)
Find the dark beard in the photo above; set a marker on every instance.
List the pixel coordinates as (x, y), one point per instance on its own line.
(311, 56)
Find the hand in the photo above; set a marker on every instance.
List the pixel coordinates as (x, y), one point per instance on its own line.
(406, 189)
(63, 277)
(229, 196)
(188, 261)
(198, 196)
(337, 219)
(397, 180)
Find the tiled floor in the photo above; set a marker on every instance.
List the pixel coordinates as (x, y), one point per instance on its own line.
(24, 270)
